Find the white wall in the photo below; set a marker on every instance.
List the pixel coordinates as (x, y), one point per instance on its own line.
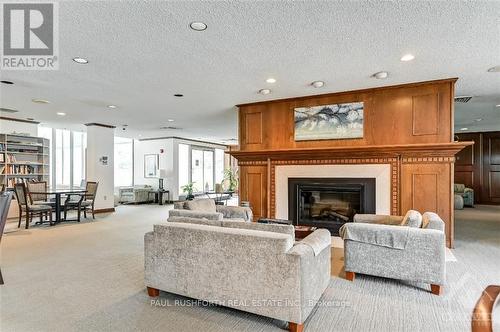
(17, 127)
(100, 142)
(166, 161)
(169, 160)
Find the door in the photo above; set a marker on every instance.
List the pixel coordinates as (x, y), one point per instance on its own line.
(490, 193)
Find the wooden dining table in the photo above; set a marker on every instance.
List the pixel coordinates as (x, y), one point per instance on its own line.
(58, 193)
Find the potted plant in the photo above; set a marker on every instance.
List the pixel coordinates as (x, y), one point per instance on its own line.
(188, 189)
(231, 178)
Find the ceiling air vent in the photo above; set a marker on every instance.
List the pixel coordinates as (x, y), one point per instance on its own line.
(8, 110)
(462, 99)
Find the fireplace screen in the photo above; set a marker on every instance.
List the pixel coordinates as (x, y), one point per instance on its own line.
(329, 202)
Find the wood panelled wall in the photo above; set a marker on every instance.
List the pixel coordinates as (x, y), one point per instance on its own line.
(410, 114)
(478, 166)
(418, 114)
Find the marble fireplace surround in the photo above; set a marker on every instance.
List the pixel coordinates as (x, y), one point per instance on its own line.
(380, 172)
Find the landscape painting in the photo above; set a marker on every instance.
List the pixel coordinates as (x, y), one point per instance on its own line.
(335, 121)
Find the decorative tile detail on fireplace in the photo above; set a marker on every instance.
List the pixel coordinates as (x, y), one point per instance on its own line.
(329, 202)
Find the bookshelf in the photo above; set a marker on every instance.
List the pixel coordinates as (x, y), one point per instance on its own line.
(23, 159)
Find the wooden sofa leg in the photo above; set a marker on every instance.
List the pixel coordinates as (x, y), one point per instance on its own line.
(436, 289)
(153, 292)
(350, 275)
(294, 327)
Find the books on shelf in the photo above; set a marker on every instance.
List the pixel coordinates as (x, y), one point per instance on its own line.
(20, 169)
(11, 158)
(12, 181)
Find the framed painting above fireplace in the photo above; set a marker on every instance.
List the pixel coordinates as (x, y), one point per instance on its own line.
(334, 121)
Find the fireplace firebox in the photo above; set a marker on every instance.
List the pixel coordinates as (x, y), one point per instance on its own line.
(329, 202)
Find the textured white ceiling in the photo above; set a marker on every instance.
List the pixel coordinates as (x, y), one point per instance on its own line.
(141, 53)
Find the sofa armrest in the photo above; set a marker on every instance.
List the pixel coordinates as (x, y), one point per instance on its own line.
(318, 240)
(378, 219)
(235, 212)
(195, 214)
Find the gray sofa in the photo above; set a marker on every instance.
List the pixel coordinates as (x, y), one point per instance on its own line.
(206, 208)
(252, 267)
(406, 248)
(135, 194)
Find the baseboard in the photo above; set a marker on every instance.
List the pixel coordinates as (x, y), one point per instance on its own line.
(108, 210)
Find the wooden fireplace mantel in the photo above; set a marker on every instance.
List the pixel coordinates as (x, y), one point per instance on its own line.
(406, 150)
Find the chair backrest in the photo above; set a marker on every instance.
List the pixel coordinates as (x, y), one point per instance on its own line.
(21, 194)
(5, 199)
(37, 186)
(91, 188)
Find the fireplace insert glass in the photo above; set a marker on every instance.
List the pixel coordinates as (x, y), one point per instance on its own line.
(329, 202)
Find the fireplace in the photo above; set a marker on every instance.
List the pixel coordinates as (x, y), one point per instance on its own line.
(329, 202)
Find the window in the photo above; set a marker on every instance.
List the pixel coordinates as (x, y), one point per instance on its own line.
(219, 166)
(208, 170)
(203, 166)
(63, 167)
(197, 169)
(67, 151)
(79, 146)
(124, 161)
(183, 166)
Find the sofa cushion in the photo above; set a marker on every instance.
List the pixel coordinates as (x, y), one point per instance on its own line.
(195, 214)
(205, 205)
(275, 228)
(412, 218)
(431, 220)
(202, 221)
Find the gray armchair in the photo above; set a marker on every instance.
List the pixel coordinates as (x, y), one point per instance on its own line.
(466, 193)
(206, 208)
(405, 248)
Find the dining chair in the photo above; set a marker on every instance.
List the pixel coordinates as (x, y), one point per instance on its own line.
(36, 190)
(30, 209)
(88, 203)
(73, 202)
(5, 198)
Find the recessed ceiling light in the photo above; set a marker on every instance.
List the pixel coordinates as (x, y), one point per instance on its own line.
(40, 101)
(318, 84)
(170, 120)
(6, 82)
(381, 75)
(271, 80)
(264, 91)
(178, 95)
(464, 128)
(61, 113)
(198, 26)
(495, 69)
(80, 60)
(407, 57)
(478, 119)
(112, 106)
(497, 105)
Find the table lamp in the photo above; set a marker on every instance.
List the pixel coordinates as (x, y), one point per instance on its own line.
(162, 175)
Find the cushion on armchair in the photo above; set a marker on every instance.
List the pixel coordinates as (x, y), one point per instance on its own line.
(412, 218)
(205, 205)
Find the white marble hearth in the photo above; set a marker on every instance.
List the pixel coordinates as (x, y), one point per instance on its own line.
(381, 173)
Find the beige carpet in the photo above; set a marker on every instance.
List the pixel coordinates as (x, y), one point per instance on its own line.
(89, 277)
